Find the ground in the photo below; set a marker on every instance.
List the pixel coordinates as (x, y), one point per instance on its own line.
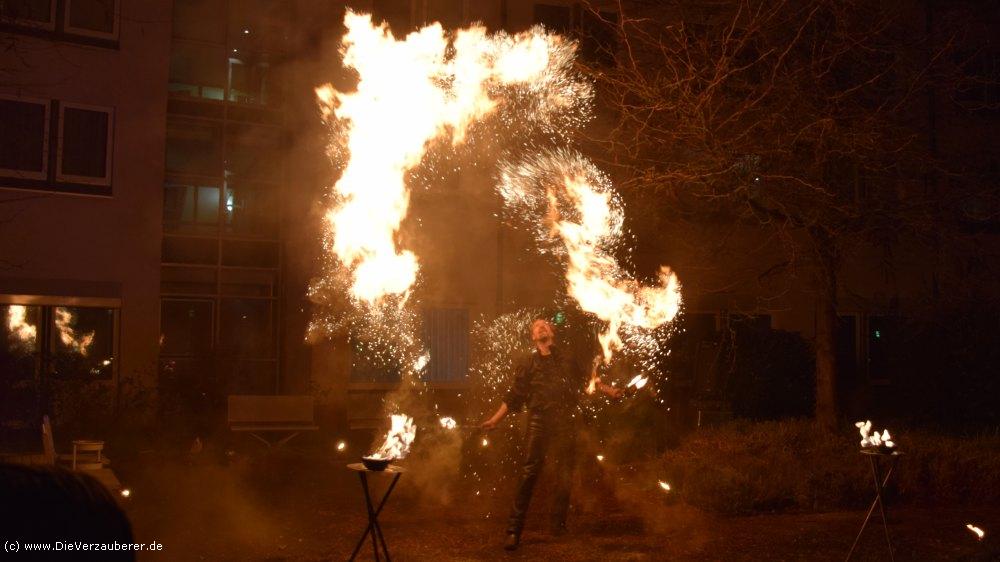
(303, 506)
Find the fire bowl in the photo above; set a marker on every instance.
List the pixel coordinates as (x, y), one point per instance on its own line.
(376, 464)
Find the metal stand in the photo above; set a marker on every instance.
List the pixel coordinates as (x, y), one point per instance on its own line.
(876, 458)
(378, 537)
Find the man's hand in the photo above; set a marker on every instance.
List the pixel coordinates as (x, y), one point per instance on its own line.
(488, 424)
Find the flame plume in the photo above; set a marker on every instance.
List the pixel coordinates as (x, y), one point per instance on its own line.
(23, 333)
(397, 442)
(77, 342)
(411, 91)
(580, 210)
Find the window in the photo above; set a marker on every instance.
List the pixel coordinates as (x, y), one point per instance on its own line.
(198, 71)
(29, 13)
(194, 148)
(85, 144)
(249, 77)
(93, 18)
(251, 209)
(190, 205)
(246, 328)
(446, 334)
(59, 341)
(24, 138)
(554, 18)
(186, 327)
(253, 152)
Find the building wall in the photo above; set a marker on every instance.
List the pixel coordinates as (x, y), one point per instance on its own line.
(59, 247)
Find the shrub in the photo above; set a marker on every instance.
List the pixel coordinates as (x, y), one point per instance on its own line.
(749, 467)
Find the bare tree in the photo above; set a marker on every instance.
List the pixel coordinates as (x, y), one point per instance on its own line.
(807, 118)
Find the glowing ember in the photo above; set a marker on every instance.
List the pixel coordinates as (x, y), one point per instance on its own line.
(21, 331)
(421, 362)
(486, 442)
(876, 439)
(979, 532)
(341, 445)
(448, 423)
(126, 492)
(600, 458)
(398, 440)
(638, 382)
(80, 343)
(411, 91)
(664, 486)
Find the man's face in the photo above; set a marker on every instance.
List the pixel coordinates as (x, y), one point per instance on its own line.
(542, 332)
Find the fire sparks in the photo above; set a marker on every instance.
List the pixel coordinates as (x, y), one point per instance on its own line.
(397, 442)
(21, 331)
(411, 91)
(978, 531)
(875, 439)
(664, 486)
(580, 210)
(638, 382)
(448, 423)
(80, 343)
(421, 362)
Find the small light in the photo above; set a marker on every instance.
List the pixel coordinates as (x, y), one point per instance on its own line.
(246, 31)
(486, 442)
(979, 532)
(600, 458)
(341, 445)
(664, 486)
(126, 492)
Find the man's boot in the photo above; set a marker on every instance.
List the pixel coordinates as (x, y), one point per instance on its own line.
(512, 542)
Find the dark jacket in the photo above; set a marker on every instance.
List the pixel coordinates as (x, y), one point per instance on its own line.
(547, 383)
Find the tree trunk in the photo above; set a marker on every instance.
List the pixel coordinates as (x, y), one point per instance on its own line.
(826, 338)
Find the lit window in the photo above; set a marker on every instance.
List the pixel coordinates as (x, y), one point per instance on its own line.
(24, 139)
(81, 341)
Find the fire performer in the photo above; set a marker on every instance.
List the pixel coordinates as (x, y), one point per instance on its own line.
(549, 382)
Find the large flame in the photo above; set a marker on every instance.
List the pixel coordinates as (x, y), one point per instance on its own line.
(579, 208)
(77, 342)
(411, 91)
(23, 333)
(876, 439)
(397, 443)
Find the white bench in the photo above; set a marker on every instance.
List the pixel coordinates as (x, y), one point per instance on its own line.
(265, 415)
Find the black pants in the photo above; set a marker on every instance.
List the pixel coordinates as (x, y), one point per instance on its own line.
(553, 436)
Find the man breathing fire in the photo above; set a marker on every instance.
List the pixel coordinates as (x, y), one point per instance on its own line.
(549, 382)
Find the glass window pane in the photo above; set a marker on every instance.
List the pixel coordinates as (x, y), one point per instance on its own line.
(250, 79)
(185, 327)
(83, 341)
(251, 209)
(207, 205)
(257, 25)
(22, 135)
(249, 253)
(19, 331)
(85, 143)
(245, 328)
(253, 152)
(201, 20)
(199, 70)
(178, 204)
(15, 11)
(92, 15)
(195, 149)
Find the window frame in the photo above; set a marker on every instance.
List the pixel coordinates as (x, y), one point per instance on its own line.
(105, 181)
(44, 173)
(69, 29)
(32, 24)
